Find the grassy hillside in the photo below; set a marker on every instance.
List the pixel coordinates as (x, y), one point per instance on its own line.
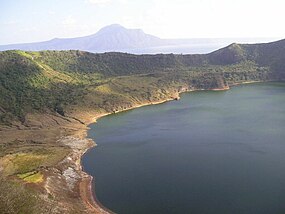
(62, 81)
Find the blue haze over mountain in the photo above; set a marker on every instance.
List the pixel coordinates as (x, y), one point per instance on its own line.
(116, 38)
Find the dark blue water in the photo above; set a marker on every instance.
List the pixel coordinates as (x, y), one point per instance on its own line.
(210, 152)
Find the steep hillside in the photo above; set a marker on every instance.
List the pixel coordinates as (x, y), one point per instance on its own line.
(61, 81)
(267, 54)
(232, 54)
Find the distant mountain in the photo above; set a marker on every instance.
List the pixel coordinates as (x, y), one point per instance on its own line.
(116, 38)
(111, 38)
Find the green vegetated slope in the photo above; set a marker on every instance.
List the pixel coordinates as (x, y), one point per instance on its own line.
(65, 82)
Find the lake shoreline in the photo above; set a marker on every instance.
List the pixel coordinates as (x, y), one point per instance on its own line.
(101, 132)
(87, 184)
(93, 201)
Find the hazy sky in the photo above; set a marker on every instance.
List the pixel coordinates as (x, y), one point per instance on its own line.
(38, 20)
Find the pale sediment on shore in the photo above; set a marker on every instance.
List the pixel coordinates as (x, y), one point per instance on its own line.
(74, 174)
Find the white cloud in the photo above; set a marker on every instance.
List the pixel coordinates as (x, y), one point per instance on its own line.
(99, 1)
(72, 27)
(123, 1)
(209, 18)
(11, 22)
(51, 12)
(69, 21)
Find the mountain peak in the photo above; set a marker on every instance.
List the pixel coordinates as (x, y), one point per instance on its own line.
(111, 29)
(116, 37)
(114, 26)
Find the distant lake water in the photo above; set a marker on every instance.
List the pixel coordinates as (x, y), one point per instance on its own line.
(208, 153)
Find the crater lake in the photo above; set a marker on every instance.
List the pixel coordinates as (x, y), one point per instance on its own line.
(211, 152)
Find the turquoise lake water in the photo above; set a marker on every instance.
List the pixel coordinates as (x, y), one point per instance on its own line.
(208, 153)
